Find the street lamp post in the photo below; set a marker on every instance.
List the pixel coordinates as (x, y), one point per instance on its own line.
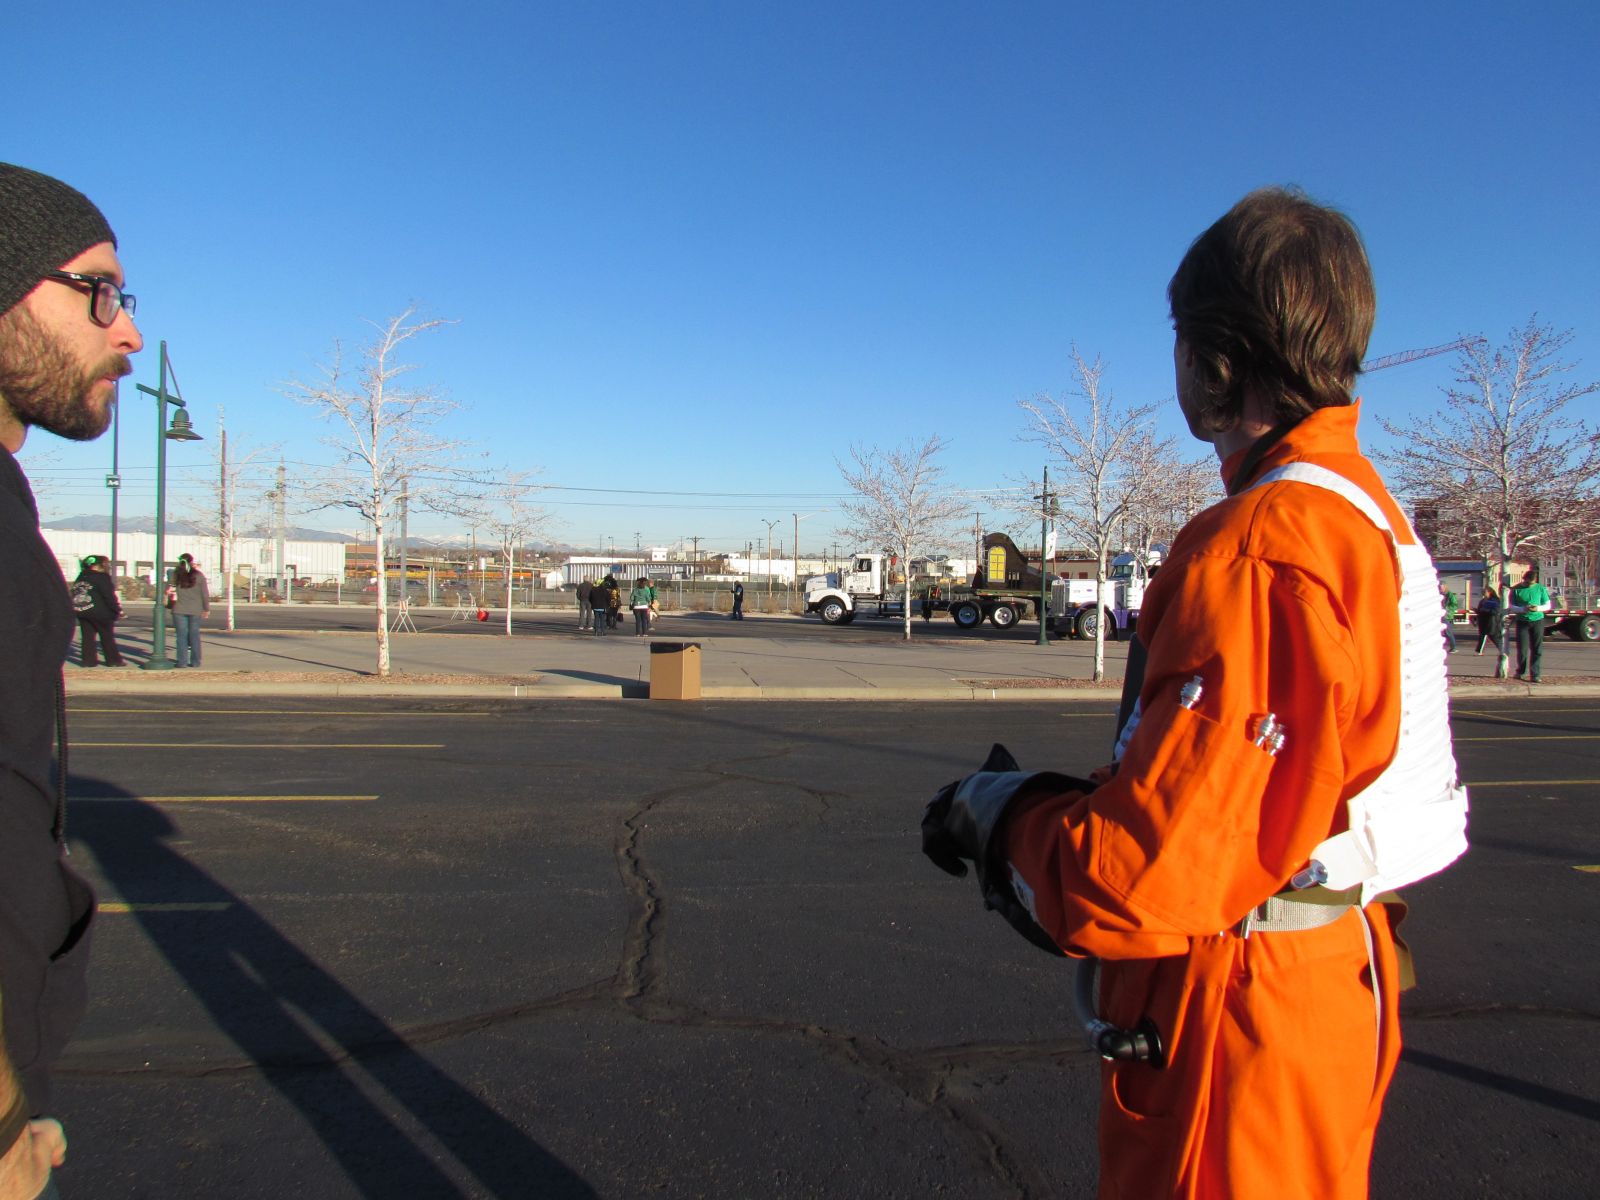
(114, 480)
(798, 517)
(181, 431)
(1045, 512)
(769, 525)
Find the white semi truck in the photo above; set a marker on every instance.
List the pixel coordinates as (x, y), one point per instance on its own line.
(1124, 596)
(1004, 591)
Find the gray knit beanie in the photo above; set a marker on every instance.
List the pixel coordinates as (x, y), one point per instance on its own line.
(43, 223)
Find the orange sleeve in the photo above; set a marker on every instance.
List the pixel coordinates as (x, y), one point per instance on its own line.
(1199, 825)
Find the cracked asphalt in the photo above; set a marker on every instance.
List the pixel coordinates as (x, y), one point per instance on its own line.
(451, 948)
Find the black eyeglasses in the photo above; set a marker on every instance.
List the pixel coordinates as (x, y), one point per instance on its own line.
(106, 299)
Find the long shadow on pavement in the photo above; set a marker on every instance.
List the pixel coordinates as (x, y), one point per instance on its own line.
(262, 991)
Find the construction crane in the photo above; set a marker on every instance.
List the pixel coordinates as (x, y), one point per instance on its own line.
(1410, 356)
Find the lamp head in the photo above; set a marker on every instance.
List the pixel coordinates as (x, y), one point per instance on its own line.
(181, 430)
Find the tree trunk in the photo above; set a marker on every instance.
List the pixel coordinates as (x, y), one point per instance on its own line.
(510, 574)
(1502, 666)
(383, 593)
(1100, 617)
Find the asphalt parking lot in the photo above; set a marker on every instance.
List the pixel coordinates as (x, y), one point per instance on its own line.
(454, 948)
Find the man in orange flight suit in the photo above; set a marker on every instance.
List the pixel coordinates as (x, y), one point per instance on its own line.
(1282, 599)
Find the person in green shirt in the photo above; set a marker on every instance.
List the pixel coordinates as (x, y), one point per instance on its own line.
(1451, 604)
(1529, 603)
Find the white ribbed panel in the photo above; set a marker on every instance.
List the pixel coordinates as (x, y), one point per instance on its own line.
(1412, 820)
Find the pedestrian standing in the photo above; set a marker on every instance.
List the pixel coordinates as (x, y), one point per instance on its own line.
(600, 598)
(585, 609)
(613, 603)
(1529, 603)
(1223, 868)
(190, 601)
(66, 334)
(1488, 614)
(639, 602)
(738, 602)
(95, 604)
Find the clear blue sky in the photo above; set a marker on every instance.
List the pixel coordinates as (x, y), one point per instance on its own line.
(704, 247)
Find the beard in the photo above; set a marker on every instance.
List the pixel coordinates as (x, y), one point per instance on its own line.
(45, 387)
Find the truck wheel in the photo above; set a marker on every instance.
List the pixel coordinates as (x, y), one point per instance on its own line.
(966, 615)
(1587, 629)
(833, 612)
(1088, 621)
(1004, 616)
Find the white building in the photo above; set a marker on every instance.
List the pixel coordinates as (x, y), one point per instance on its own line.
(253, 556)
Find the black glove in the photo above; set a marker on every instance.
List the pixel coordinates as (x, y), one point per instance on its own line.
(960, 821)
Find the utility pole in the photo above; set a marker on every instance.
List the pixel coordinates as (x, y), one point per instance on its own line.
(405, 507)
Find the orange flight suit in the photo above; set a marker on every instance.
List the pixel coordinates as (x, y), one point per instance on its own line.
(1282, 599)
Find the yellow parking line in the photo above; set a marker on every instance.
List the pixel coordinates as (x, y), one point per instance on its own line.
(1474, 785)
(113, 906)
(1594, 870)
(1536, 737)
(262, 712)
(218, 799)
(259, 745)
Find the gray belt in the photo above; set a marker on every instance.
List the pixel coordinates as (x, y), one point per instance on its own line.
(1290, 914)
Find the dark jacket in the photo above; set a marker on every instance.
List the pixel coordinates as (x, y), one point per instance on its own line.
(585, 591)
(45, 909)
(106, 605)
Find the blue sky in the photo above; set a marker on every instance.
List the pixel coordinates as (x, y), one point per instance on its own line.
(705, 247)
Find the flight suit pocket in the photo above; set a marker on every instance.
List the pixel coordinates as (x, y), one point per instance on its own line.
(1191, 806)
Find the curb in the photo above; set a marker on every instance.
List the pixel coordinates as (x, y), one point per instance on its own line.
(567, 689)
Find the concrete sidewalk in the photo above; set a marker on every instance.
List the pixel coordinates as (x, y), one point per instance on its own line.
(800, 662)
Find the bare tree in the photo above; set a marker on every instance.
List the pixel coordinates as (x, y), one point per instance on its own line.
(1176, 490)
(1502, 455)
(503, 508)
(1110, 462)
(899, 504)
(382, 430)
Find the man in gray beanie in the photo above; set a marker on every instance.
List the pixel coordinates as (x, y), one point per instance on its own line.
(66, 331)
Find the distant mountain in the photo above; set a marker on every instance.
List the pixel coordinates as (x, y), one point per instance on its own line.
(101, 523)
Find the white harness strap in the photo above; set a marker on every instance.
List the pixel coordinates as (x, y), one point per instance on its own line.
(1411, 821)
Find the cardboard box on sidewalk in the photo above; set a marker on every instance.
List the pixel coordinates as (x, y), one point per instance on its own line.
(674, 670)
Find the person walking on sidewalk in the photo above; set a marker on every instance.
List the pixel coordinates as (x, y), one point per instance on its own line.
(640, 600)
(66, 334)
(1488, 614)
(189, 601)
(585, 608)
(95, 604)
(1530, 602)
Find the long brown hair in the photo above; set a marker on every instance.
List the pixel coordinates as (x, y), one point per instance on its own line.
(1275, 299)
